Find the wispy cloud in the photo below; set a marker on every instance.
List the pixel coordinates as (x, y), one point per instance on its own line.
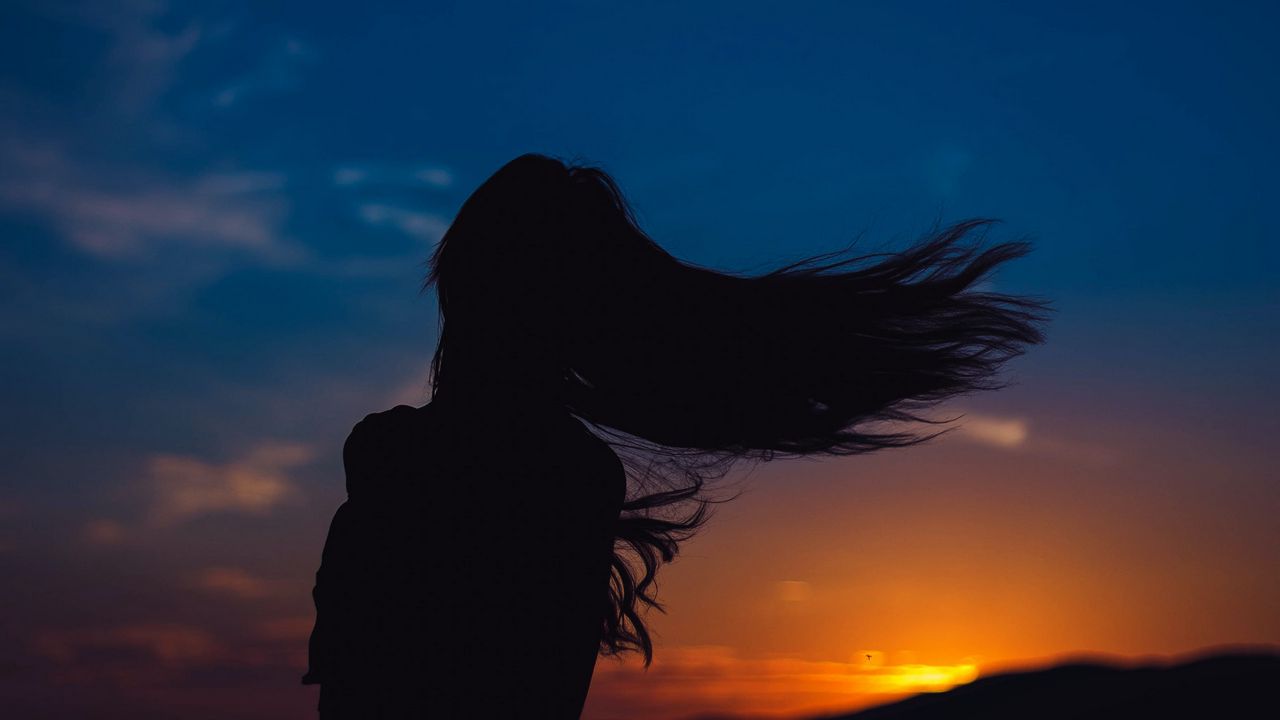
(435, 176)
(144, 57)
(116, 223)
(279, 70)
(169, 644)
(346, 176)
(233, 581)
(115, 215)
(432, 176)
(1015, 434)
(995, 431)
(424, 226)
(184, 487)
(104, 532)
(794, 591)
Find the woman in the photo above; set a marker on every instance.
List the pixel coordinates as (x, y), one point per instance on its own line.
(585, 387)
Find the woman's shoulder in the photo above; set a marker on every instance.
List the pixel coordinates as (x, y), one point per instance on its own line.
(399, 411)
(390, 448)
(378, 430)
(374, 452)
(396, 416)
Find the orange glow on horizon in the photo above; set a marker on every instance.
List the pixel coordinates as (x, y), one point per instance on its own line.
(688, 681)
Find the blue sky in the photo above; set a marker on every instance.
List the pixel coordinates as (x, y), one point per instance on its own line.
(242, 191)
(215, 214)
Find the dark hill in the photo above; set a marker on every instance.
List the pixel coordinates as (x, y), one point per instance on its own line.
(1243, 685)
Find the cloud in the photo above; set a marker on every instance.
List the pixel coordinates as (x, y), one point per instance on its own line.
(994, 431)
(113, 224)
(349, 176)
(434, 176)
(1010, 433)
(117, 215)
(143, 58)
(185, 487)
(104, 532)
(421, 225)
(794, 591)
(123, 211)
(169, 644)
(279, 70)
(233, 581)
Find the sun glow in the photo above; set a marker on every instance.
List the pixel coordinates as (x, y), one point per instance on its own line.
(914, 678)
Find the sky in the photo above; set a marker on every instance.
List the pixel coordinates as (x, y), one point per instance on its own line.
(215, 217)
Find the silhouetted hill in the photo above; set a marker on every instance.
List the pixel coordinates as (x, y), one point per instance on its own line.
(1245, 685)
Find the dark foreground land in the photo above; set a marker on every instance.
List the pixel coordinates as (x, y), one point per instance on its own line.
(1244, 685)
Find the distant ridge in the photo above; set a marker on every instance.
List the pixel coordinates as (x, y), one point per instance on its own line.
(1236, 685)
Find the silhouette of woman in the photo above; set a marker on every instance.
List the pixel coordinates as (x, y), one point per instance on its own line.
(586, 386)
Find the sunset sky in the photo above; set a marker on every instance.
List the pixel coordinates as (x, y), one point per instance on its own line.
(215, 217)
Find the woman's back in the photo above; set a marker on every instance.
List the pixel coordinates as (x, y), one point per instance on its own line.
(463, 578)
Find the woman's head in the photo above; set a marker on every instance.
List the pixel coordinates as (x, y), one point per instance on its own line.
(538, 261)
(548, 285)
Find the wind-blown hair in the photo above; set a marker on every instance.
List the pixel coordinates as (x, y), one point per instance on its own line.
(685, 370)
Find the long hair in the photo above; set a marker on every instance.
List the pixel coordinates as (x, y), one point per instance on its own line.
(685, 370)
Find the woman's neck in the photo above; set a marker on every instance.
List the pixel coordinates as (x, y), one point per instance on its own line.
(523, 394)
(499, 370)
